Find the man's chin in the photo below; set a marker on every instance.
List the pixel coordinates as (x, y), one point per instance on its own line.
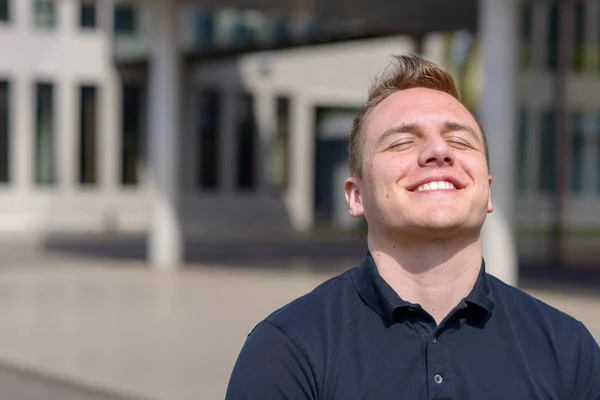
(434, 231)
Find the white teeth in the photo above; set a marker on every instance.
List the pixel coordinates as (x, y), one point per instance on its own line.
(436, 186)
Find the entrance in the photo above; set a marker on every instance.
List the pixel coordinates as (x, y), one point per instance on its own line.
(333, 127)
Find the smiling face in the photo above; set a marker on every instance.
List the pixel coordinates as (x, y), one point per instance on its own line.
(424, 169)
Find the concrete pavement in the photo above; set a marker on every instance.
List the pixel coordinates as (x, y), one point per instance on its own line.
(117, 327)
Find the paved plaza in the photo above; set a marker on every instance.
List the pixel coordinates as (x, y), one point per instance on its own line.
(76, 327)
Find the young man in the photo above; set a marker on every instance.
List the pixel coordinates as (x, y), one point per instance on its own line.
(419, 318)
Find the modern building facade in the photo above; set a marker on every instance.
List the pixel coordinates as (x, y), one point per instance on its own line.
(264, 117)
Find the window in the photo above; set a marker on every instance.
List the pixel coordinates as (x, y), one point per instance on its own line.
(281, 31)
(208, 132)
(522, 136)
(579, 26)
(45, 159)
(547, 171)
(125, 19)
(552, 43)
(526, 21)
(4, 132)
(87, 14)
(279, 167)
(4, 10)
(132, 100)
(241, 34)
(45, 15)
(246, 135)
(577, 143)
(88, 122)
(204, 28)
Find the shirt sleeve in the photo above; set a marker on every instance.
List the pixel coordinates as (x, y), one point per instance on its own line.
(586, 368)
(271, 366)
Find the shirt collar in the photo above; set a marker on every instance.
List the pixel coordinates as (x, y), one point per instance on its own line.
(379, 295)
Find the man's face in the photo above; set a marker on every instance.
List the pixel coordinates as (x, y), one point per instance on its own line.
(424, 170)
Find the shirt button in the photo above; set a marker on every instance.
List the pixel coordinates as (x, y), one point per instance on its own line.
(438, 378)
(434, 339)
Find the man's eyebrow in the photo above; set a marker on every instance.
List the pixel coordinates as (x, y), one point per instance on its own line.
(454, 126)
(402, 128)
(414, 128)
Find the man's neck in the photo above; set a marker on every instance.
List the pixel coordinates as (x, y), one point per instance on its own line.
(435, 274)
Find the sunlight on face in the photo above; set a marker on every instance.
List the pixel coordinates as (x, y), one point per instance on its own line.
(424, 167)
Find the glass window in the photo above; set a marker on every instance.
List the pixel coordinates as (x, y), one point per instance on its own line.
(87, 14)
(526, 23)
(4, 132)
(281, 30)
(125, 19)
(208, 134)
(552, 43)
(246, 131)
(547, 172)
(241, 34)
(45, 157)
(577, 154)
(132, 100)
(204, 28)
(45, 14)
(522, 139)
(88, 121)
(579, 48)
(4, 10)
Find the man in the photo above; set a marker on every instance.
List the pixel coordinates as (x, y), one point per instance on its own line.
(419, 318)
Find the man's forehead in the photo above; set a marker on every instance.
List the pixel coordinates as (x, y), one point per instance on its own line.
(420, 108)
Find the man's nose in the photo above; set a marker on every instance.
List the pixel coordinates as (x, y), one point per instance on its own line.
(436, 151)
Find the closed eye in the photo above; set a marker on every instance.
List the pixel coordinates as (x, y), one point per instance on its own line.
(400, 145)
(458, 143)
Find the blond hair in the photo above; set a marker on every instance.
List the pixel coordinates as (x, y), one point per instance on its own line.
(404, 72)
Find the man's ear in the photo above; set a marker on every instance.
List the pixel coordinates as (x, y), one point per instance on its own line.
(353, 197)
(490, 205)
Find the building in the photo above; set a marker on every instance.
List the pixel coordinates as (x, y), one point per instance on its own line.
(80, 165)
(264, 116)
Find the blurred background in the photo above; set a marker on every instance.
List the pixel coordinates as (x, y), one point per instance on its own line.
(172, 171)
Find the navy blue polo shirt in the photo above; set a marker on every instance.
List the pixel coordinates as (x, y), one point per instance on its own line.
(353, 337)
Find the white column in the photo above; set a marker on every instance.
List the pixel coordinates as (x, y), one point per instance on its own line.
(66, 133)
(110, 111)
(165, 247)
(108, 161)
(23, 135)
(302, 186)
(266, 119)
(499, 22)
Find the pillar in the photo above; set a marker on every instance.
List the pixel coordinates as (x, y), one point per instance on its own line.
(300, 199)
(498, 28)
(165, 246)
(265, 112)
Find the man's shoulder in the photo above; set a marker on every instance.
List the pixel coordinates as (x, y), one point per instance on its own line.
(527, 307)
(323, 299)
(311, 315)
